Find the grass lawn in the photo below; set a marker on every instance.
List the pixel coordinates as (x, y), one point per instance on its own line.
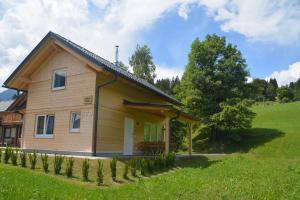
(264, 165)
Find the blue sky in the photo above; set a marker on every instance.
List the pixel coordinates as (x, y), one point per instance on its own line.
(170, 41)
(266, 31)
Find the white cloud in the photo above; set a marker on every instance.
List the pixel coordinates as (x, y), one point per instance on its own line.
(284, 77)
(164, 71)
(259, 20)
(24, 23)
(249, 79)
(183, 11)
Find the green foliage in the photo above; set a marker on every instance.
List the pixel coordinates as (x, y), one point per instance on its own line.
(7, 154)
(170, 159)
(285, 94)
(142, 64)
(160, 162)
(143, 166)
(133, 166)
(123, 66)
(178, 134)
(126, 169)
(100, 175)
(167, 85)
(85, 170)
(0, 155)
(216, 72)
(57, 163)
(69, 167)
(262, 90)
(32, 159)
(113, 168)
(265, 167)
(235, 114)
(44, 159)
(14, 156)
(23, 158)
(150, 166)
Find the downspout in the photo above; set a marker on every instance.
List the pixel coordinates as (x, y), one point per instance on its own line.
(95, 128)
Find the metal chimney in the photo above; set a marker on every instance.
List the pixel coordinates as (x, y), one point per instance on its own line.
(117, 55)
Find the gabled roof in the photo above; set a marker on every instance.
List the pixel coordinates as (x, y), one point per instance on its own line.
(98, 61)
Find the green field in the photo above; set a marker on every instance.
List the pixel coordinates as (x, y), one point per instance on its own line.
(264, 165)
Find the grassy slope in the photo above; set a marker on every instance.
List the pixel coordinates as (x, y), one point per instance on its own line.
(269, 170)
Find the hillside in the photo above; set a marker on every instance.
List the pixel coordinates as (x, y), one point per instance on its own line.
(267, 167)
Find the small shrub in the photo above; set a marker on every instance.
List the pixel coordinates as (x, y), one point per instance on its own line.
(44, 159)
(14, 156)
(113, 168)
(32, 159)
(133, 166)
(170, 159)
(69, 167)
(0, 155)
(126, 168)
(85, 170)
(23, 156)
(57, 163)
(150, 166)
(162, 162)
(7, 154)
(143, 166)
(100, 175)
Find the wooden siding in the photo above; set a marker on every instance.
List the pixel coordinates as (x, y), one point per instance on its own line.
(80, 83)
(112, 112)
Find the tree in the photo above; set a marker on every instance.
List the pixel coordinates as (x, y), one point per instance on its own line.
(142, 63)
(235, 114)
(285, 94)
(258, 89)
(123, 66)
(216, 72)
(167, 85)
(178, 129)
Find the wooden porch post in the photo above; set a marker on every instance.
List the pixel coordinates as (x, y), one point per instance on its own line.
(190, 138)
(167, 135)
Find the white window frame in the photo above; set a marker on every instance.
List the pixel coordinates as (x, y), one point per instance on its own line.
(53, 79)
(75, 130)
(44, 135)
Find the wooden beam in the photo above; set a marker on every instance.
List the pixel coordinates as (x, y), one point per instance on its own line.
(167, 135)
(190, 138)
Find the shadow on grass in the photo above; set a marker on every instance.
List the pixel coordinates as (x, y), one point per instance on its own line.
(195, 162)
(249, 139)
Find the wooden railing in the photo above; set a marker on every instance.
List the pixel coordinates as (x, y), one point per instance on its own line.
(151, 148)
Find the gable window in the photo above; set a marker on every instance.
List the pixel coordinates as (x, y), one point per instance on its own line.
(44, 126)
(75, 122)
(59, 79)
(153, 132)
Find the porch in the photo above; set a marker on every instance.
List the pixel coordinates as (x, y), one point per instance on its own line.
(169, 113)
(10, 129)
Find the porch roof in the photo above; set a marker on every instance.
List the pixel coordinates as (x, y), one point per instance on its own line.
(165, 109)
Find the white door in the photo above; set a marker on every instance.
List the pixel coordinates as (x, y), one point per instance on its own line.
(128, 136)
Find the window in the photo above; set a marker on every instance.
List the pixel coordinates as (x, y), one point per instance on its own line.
(153, 132)
(59, 79)
(7, 133)
(75, 122)
(44, 126)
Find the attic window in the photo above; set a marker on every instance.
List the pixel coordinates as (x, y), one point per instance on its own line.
(59, 80)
